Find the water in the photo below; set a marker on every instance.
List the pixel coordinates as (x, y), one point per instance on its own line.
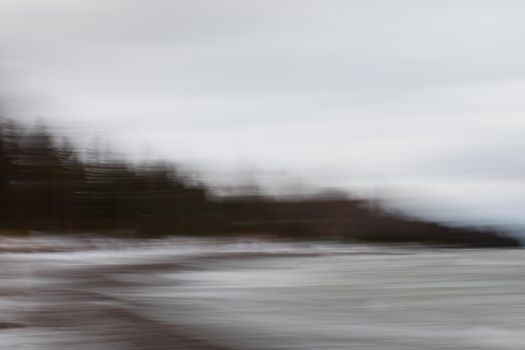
(261, 295)
(462, 299)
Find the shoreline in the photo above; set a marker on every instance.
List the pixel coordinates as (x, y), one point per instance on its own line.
(107, 297)
(69, 312)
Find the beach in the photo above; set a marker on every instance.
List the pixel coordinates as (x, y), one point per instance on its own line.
(213, 294)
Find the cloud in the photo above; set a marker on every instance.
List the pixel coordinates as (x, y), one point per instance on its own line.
(376, 91)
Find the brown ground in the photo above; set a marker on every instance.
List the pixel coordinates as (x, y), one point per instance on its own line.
(72, 314)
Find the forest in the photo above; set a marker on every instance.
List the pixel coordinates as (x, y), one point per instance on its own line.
(47, 185)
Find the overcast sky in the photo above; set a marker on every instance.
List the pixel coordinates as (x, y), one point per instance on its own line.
(415, 100)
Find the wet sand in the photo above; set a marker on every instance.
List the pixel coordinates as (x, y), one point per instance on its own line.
(70, 310)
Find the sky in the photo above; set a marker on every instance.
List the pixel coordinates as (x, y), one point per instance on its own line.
(418, 102)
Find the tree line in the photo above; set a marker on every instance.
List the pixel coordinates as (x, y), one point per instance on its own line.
(47, 185)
